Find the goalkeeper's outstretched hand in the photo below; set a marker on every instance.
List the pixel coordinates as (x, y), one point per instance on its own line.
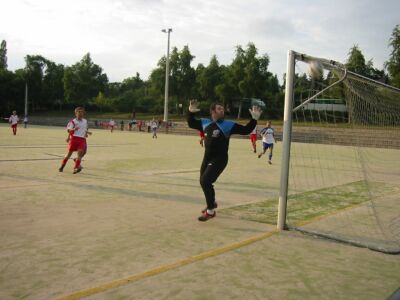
(193, 106)
(255, 112)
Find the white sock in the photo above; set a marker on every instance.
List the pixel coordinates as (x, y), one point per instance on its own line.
(210, 211)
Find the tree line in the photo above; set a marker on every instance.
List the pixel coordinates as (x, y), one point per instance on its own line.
(54, 86)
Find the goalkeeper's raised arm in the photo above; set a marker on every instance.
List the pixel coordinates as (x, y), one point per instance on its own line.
(255, 113)
(192, 121)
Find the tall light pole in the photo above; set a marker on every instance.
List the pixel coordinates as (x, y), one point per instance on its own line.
(26, 99)
(168, 31)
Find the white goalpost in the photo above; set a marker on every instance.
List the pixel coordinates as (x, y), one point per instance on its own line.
(340, 171)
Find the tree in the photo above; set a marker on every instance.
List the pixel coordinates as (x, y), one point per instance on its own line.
(102, 102)
(132, 83)
(226, 90)
(45, 82)
(156, 84)
(376, 74)
(208, 78)
(186, 75)
(53, 85)
(356, 61)
(12, 88)
(113, 89)
(183, 76)
(252, 71)
(34, 69)
(132, 92)
(83, 81)
(393, 64)
(3, 55)
(250, 77)
(182, 81)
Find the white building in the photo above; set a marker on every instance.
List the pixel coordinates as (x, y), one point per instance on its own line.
(326, 105)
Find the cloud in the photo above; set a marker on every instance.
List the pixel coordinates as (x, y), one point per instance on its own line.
(273, 28)
(124, 36)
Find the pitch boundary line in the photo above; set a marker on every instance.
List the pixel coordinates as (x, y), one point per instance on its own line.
(25, 159)
(164, 268)
(186, 261)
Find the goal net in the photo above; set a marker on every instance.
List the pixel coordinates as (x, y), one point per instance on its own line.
(341, 156)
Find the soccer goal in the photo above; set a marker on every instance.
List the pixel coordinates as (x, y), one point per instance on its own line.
(340, 176)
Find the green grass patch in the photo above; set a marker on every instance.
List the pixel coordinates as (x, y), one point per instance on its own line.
(309, 205)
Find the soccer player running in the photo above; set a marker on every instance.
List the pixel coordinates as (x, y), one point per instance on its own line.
(202, 137)
(111, 124)
(68, 139)
(268, 138)
(217, 133)
(78, 130)
(253, 139)
(13, 120)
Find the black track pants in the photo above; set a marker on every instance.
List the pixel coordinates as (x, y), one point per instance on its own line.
(209, 172)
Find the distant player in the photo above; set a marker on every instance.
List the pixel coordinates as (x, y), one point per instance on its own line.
(78, 131)
(25, 121)
(268, 138)
(131, 123)
(111, 124)
(13, 120)
(139, 125)
(253, 139)
(202, 137)
(154, 127)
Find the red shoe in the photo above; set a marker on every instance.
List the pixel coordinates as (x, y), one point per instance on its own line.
(77, 170)
(215, 206)
(205, 217)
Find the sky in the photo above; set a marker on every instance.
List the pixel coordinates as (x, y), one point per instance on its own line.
(124, 37)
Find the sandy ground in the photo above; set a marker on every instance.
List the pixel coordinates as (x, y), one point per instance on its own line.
(135, 206)
(285, 266)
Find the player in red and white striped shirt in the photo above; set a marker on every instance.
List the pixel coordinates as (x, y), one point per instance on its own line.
(78, 130)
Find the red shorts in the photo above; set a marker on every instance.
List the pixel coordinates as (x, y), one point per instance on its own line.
(14, 125)
(253, 137)
(77, 143)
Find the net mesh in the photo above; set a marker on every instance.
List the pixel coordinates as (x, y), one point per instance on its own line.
(344, 178)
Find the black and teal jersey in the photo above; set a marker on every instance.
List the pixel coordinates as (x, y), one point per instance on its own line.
(217, 133)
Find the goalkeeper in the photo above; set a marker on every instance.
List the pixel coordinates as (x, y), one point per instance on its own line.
(217, 133)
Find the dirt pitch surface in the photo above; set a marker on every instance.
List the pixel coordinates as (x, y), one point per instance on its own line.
(134, 208)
